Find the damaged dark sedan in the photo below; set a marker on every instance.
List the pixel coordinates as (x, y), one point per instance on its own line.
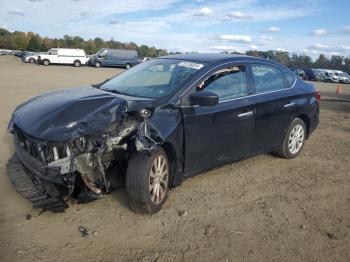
(150, 127)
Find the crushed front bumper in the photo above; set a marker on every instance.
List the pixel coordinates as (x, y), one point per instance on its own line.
(41, 192)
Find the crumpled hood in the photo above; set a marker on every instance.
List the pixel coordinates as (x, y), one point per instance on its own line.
(63, 115)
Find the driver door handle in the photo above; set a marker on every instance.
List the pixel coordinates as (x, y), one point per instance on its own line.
(289, 105)
(246, 114)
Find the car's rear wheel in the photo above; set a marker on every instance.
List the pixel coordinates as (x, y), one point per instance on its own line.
(294, 140)
(32, 60)
(76, 63)
(147, 181)
(97, 64)
(46, 62)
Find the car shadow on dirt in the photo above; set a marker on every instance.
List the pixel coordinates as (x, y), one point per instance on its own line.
(120, 196)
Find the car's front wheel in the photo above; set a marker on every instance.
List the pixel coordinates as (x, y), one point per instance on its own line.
(147, 181)
(294, 140)
(31, 60)
(46, 62)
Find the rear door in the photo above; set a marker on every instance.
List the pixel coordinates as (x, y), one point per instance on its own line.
(219, 134)
(275, 104)
(122, 58)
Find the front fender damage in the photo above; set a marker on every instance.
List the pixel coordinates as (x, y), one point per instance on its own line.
(94, 163)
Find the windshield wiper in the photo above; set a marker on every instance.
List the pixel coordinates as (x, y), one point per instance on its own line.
(100, 84)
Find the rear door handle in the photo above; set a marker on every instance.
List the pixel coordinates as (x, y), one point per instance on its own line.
(289, 105)
(246, 114)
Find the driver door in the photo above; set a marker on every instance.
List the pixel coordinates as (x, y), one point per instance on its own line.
(54, 57)
(222, 133)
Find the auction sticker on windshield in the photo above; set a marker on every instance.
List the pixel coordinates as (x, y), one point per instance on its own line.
(191, 65)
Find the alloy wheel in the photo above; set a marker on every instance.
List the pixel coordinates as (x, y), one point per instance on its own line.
(158, 179)
(296, 139)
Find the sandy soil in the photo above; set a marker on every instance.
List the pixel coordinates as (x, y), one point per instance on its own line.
(260, 209)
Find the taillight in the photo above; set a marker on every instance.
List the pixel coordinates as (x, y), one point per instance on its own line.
(318, 96)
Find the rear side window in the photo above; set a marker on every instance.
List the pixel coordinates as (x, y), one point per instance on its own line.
(290, 79)
(267, 78)
(227, 83)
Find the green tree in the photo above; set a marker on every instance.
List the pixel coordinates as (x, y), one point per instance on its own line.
(19, 40)
(34, 44)
(322, 61)
(283, 58)
(336, 62)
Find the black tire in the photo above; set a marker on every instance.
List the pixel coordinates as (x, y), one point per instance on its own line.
(284, 149)
(97, 64)
(138, 181)
(31, 60)
(127, 66)
(46, 62)
(77, 63)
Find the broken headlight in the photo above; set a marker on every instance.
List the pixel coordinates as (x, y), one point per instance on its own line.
(145, 112)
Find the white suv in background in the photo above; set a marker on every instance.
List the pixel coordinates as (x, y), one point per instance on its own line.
(75, 57)
(343, 77)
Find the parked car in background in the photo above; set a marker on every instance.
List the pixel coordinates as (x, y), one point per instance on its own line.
(343, 77)
(32, 57)
(18, 53)
(75, 57)
(299, 72)
(156, 124)
(312, 75)
(6, 52)
(318, 74)
(329, 75)
(114, 57)
(22, 53)
(144, 59)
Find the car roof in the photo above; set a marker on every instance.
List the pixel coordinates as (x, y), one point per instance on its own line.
(214, 57)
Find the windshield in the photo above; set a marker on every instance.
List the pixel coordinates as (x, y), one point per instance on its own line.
(155, 78)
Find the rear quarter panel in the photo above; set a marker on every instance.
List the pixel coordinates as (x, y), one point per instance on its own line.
(307, 103)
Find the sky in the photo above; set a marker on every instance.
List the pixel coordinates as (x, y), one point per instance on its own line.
(301, 26)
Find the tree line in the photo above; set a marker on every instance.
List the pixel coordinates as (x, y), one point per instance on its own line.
(30, 41)
(334, 62)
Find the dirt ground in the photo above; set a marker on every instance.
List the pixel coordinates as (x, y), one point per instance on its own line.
(260, 209)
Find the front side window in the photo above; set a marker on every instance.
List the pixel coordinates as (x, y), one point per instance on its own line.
(227, 83)
(155, 78)
(53, 52)
(267, 78)
(102, 53)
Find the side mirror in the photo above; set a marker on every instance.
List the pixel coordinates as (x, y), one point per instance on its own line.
(204, 98)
